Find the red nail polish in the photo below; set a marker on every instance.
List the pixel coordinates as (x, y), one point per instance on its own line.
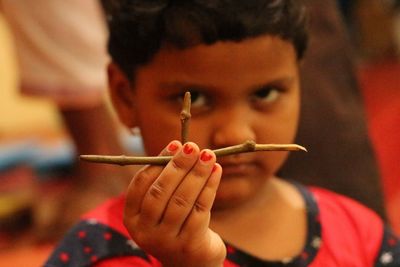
(172, 147)
(205, 156)
(187, 149)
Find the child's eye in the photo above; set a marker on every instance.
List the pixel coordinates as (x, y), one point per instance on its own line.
(267, 94)
(198, 99)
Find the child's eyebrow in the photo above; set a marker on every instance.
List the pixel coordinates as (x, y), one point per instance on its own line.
(185, 85)
(283, 81)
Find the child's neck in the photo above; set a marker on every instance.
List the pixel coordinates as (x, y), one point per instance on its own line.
(271, 226)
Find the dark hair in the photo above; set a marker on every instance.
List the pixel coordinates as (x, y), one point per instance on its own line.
(138, 28)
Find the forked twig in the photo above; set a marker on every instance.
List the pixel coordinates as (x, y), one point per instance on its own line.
(248, 146)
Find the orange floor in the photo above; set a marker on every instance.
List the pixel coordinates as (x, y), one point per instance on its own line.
(25, 256)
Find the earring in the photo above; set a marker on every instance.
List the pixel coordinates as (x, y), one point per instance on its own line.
(135, 131)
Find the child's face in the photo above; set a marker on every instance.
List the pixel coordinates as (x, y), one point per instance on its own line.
(240, 91)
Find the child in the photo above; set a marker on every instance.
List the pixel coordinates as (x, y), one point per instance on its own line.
(240, 61)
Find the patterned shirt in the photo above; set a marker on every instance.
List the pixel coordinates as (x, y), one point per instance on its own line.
(340, 232)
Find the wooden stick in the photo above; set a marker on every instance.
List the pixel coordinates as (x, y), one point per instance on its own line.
(185, 117)
(249, 146)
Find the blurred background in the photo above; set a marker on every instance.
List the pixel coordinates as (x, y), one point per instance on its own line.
(38, 156)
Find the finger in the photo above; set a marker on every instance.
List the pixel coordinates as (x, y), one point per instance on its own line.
(144, 178)
(199, 218)
(159, 193)
(184, 198)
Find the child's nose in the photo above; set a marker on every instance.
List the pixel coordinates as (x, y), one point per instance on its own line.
(233, 128)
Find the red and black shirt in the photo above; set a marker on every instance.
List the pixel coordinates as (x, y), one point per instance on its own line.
(341, 232)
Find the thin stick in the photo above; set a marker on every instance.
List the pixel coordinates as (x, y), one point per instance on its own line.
(185, 117)
(249, 146)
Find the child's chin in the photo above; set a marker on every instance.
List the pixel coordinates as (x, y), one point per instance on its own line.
(226, 199)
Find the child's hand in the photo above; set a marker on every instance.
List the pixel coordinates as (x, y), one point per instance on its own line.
(167, 210)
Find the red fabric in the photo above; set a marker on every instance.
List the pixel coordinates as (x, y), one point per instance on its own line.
(351, 233)
(110, 213)
(380, 83)
(127, 262)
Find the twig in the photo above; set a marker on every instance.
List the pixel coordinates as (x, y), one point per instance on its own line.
(185, 117)
(249, 146)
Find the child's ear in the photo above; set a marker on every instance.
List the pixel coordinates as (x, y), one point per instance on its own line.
(122, 95)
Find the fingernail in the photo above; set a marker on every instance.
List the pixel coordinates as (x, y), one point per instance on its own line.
(205, 156)
(187, 149)
(172, 147)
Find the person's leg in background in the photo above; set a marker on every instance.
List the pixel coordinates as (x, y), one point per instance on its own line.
(61, 49)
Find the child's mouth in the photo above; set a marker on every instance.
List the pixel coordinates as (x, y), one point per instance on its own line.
(238, 169)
